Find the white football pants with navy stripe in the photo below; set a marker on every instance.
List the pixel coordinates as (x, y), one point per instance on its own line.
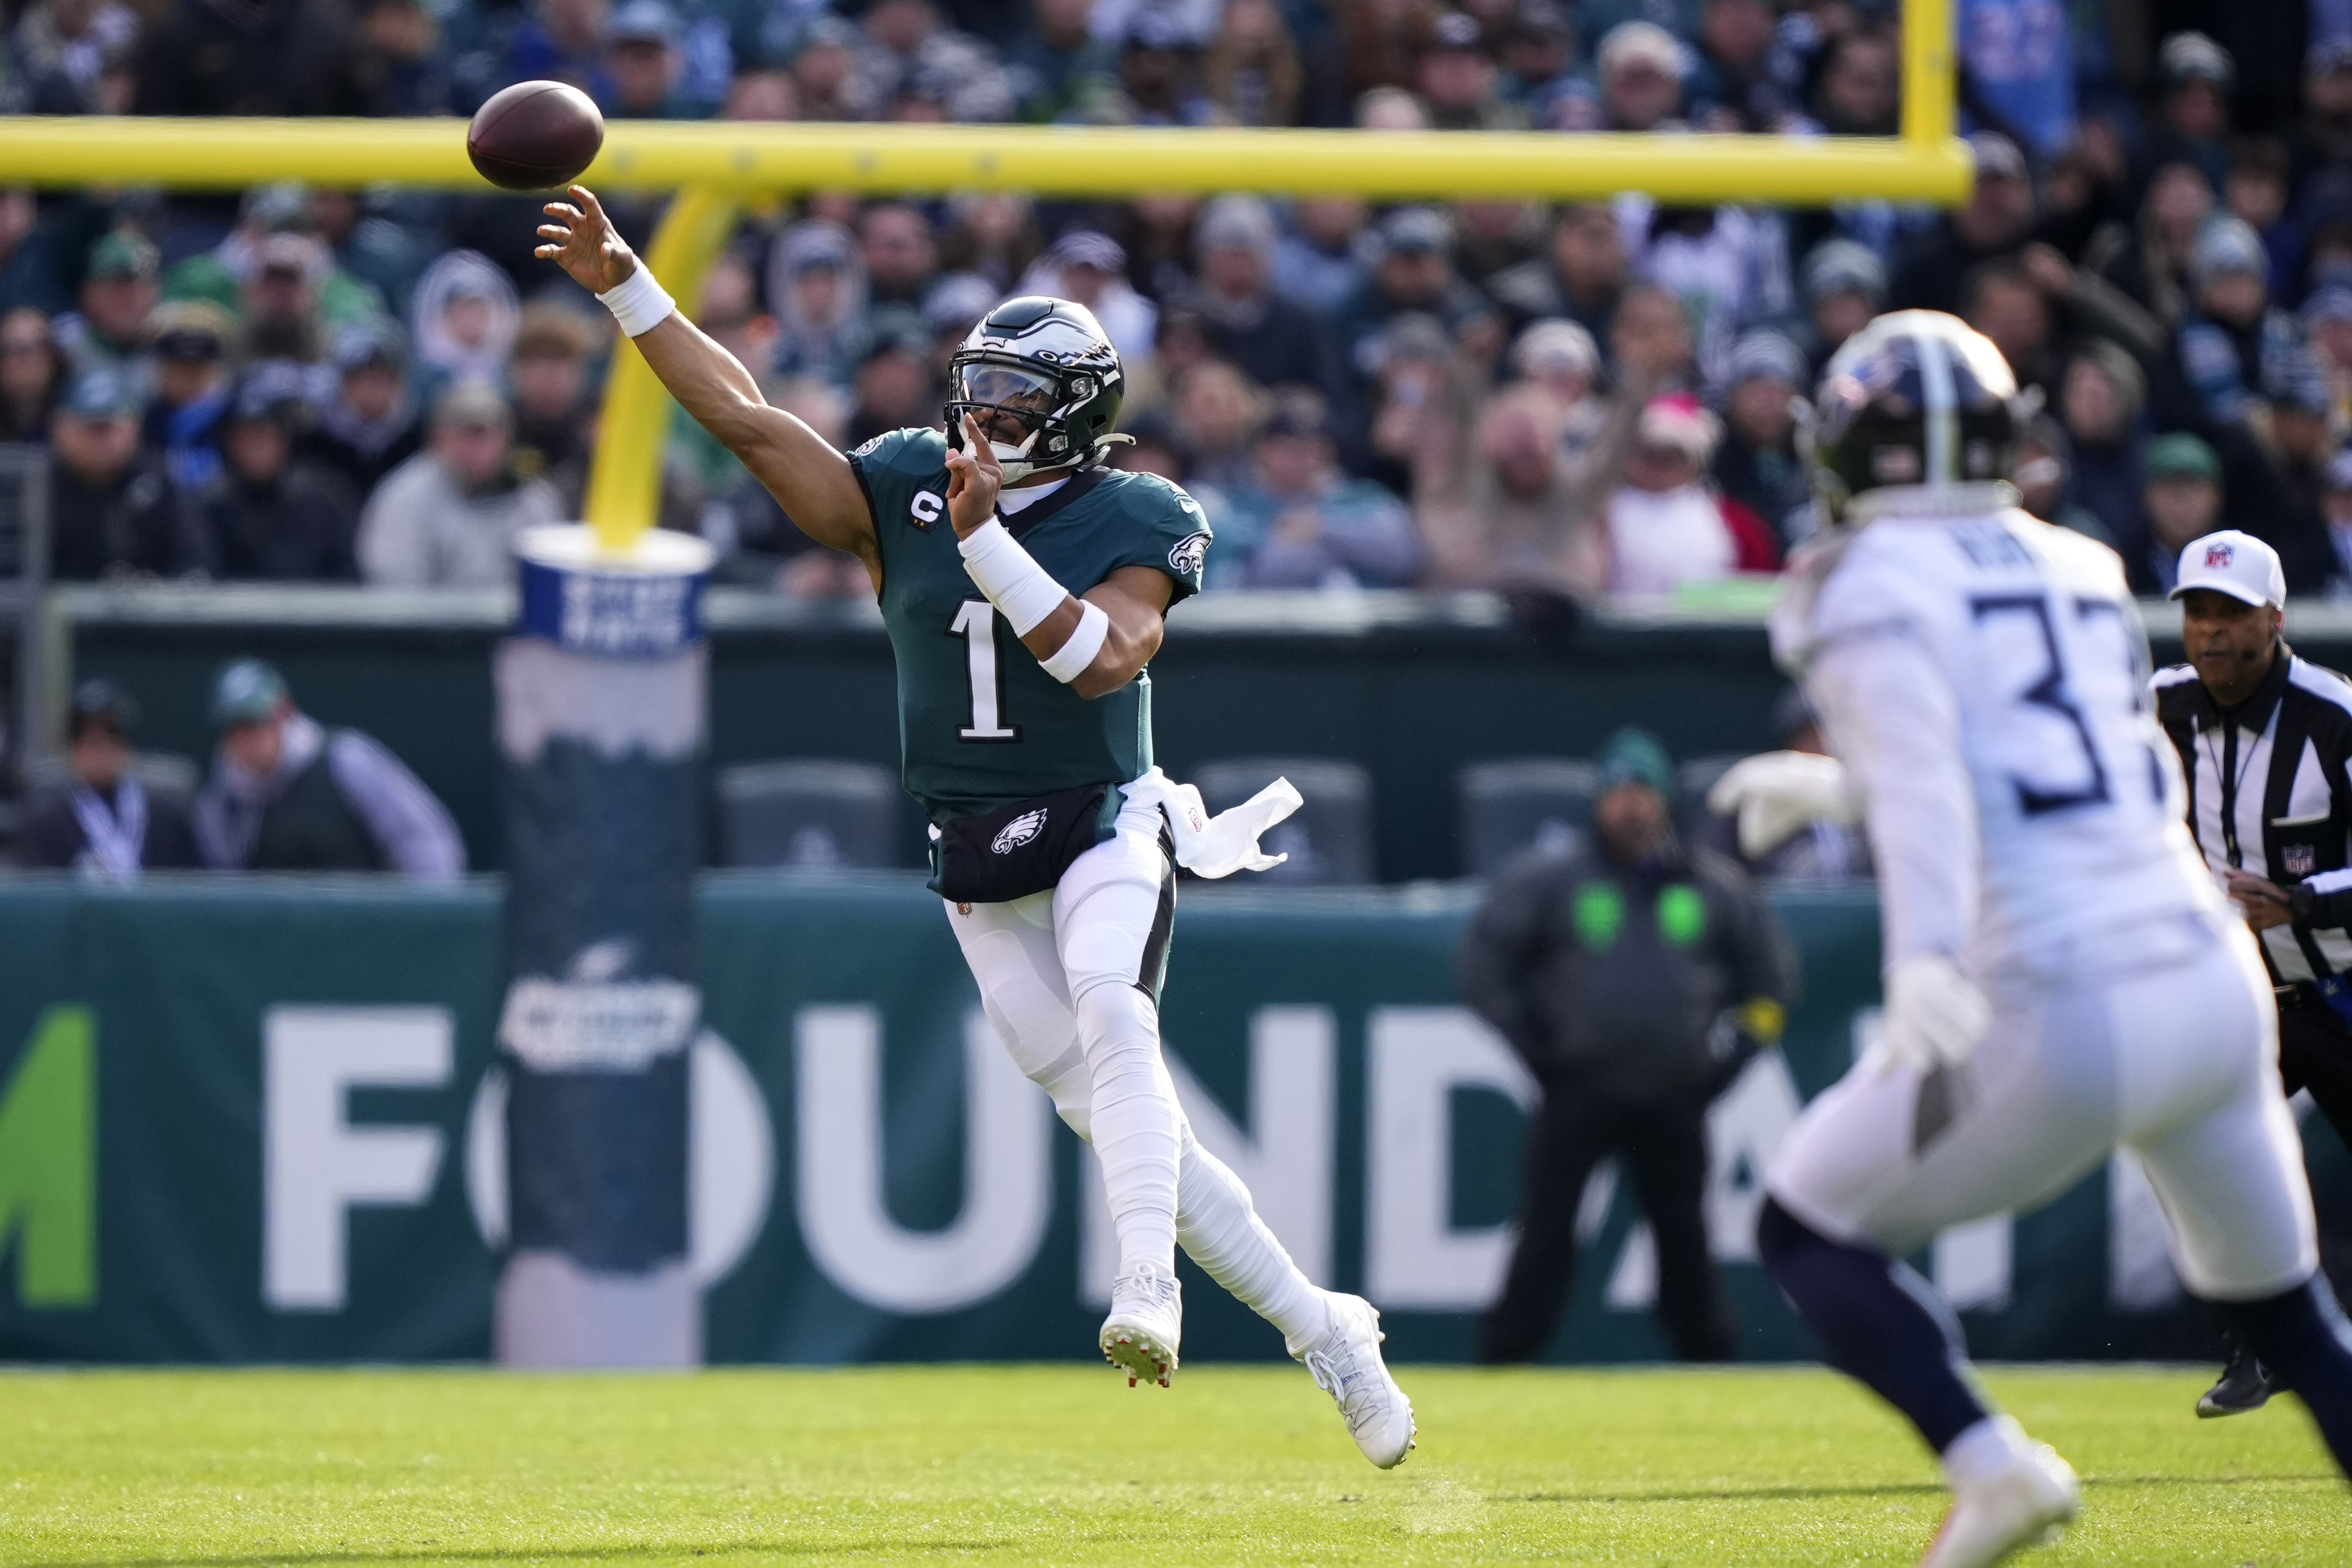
(2175, 1060)
(1067, 979)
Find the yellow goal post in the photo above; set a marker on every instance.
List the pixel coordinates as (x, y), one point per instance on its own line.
(717, 165)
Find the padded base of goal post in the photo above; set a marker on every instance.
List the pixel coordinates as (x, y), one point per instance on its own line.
(601, 698)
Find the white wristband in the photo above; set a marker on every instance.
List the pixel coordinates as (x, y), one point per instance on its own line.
(1071, 660)
(637, 303)
(1010, 577)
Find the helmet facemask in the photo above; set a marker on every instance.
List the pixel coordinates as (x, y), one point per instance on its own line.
(995, 390)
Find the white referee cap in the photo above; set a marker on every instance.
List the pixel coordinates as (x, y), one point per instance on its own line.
(2234, 563)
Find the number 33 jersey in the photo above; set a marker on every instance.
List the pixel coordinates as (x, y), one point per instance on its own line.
(981, 725)
(1984, 680)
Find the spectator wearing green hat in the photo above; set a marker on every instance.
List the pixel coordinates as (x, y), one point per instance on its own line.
(2182, 495)
(289, 794)
(113, 509)
(118, 289)
(1635, 976)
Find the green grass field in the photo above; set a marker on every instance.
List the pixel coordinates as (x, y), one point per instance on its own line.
(1067, 1465)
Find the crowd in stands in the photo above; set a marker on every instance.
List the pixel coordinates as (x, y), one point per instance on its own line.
(326, 385)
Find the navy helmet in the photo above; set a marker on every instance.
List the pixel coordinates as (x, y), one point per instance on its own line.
(1916, 401)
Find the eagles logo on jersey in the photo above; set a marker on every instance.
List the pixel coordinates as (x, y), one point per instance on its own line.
(1915, 401)
(1047, 364)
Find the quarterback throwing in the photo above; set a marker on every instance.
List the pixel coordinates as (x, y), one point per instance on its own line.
(1023, 586)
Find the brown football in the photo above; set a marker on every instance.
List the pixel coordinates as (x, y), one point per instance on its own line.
(535, 135)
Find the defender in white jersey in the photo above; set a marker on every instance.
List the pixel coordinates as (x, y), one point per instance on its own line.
(2061, 975)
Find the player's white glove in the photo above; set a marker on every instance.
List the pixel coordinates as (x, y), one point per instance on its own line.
(1776, 794)
(1934, 1014)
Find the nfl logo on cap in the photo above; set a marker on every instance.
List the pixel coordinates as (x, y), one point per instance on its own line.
(2234, 563)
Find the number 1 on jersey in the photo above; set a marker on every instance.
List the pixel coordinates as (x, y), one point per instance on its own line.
(975, 622)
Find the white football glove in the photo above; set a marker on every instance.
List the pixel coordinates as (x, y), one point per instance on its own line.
(1934, 1015)
(1776, 794)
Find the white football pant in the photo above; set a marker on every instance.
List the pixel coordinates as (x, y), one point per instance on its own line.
(2175, 1060)
(1068, 979)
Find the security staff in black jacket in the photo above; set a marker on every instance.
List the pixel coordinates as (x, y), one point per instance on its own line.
(1635, 978)
(2264, 738)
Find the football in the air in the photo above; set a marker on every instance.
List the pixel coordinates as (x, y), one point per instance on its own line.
(535, 135)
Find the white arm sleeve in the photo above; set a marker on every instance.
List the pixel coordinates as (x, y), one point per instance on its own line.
(1894, 720)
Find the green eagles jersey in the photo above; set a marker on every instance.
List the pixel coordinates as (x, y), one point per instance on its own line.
(981, 725)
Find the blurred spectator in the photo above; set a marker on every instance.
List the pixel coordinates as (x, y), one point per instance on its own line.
(1641, 79)
(272, 226)
(466, 315)
(189, 339)
(1459, 83)
(1216, 413)
(282, 314)
(27, 270)
(2183, 502)
(1413, 272)
(1499, 502)
(1859, 75)
(260, 57)
(448, 516)
(104, 822)
(1756, 463)
(895, 386)
(1057, 64)
(2256, 191)
(1995, 221)
(287, 795)
(368, 426)
(1251, 71)
(1159, 76)
(757, 544)
(2234, 345)
(113, 509)
(30, 371)
(1666, 527)
(762, 95)
(1391, 109)
(2325, 136)
(1092, 268)
(1560, 358)
(2328, 326)
(1538, 56)
(1155, 232)
(2336, 507)
(899, 43)
(950, 311)
(1578, 277)
(1731, 85)
(894, 241)
(2195, 80)
(2155, 272)
(643, 63)
(2099, 402)
(2001, 300)
(2044, 477)
(549, 373)
(1295, 521)
(59, 53)
(818, 290)
(1650, 340)
(825, 70)
(2295, 424)
(268, 516)
(1843, 284)
(1725, 265)
(366, 252)
(1314, 260)
(991, 232)
(404, 66)
(1491, 237)
(1272, 342)
(118, 290)
(561, 40)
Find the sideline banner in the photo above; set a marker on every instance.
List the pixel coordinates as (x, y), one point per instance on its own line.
(260, 1121)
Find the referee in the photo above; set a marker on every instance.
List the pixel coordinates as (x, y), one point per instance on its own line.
(2264, 738)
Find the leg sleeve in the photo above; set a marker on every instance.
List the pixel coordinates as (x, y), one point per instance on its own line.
(1013, 956)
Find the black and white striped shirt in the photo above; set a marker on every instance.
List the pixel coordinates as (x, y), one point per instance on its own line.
(2268, 793)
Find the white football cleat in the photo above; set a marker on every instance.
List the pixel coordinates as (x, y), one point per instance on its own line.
(1347, 1366)
(2025, 1503)
(1145, 1325)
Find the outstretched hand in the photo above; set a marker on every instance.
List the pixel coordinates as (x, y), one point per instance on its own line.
(585, 244)
(975, 476)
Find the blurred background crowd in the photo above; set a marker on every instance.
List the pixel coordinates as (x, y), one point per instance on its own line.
(303, 384)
